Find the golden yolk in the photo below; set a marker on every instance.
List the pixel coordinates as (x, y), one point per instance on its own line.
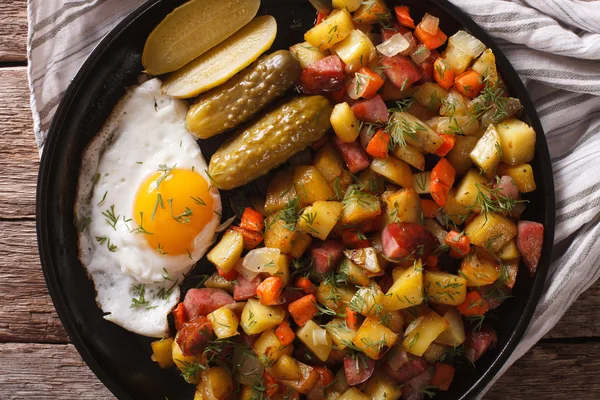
(172, 207)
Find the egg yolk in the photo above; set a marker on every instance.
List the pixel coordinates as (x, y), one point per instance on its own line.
(171, 208)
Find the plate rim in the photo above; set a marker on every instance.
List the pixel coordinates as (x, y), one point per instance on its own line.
(58, 295)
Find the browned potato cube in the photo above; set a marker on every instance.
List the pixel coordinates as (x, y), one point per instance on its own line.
(310, 185)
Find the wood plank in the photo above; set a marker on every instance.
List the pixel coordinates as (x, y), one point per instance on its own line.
(26, 310)
(549, 371)
(13, 30)
(19, 158)
(582, 319)
(552, 371)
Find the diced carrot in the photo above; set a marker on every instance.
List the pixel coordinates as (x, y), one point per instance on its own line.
(429, 208)
(379, 144)
(442, 179)
(320, 17)
(351, 318)
(442, 376)
(272, 387)
(179, 316)
(448, 144)
(469, 83)
(372, 81)
(473, 305)
(251, 238)
(443, 73)
(284, 333)
(432, 261)
(429, 40)
(306, 285)
(303, 309)
(403, 16)
(269, 291)
(252, 220)
(229, 275)
(354, 239)
(337, 96)
(459, 244)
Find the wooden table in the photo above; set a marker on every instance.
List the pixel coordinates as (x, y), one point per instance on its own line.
(36, 357)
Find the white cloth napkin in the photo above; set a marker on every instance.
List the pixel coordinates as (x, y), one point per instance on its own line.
(553, 44)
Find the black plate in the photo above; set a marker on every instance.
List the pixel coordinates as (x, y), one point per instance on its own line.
(121, 359)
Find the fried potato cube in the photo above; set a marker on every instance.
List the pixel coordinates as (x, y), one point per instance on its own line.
(393, 169)
(329, 163)
(228, 251)
(310, 185)
(330, 31)
(162, 351)
(422, 332)
(356, 50)
(257, 318)
(309, 333)
(521, 174)
(280, 192)
(445, 288)
(454, 335)
(224, 322)
(407, 290)
(518, 141)
(469, 188)
(340, 333)
(403, 206)
(344, 123)
(268, 348)
(487, 151)
(411, 155)
(319, 219)
(370, 12)
(479, 268)
(374, 338)
(491, 230)
(306, 53)
(286, 368)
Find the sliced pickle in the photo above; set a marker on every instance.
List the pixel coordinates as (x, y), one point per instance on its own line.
(192, 29)
(223, 61)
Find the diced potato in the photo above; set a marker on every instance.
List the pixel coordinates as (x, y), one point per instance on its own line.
(407, 290)
(422, 182)
(455, 211)
(332, 30)
(224, 322)
(329, 162)
(280, 192)
(286, 368)
(300, 244)
(492, 230)
(487, 151)
(366, 258)
(393, 169)
(307, 335)
(370, 12)
(485, 66)
(397, 271)
(456, 125)
(368, 301)
(412, 313)
(310, 185)
(182, 362)
(382, 387)
(518, 141)
(458, 59)
(403, 206)
(522, 175)
(371, 181)
(395, 321)
(435, 352)
(309, 379)
(216, 281)
(359, 207)
(479, 268)
(431, 95)
(306, 53)
(163, 352)
(411, 155)
(350, 5)
(340, 333)
(459, 155)
(509, 251)
(353, 394)
(422, 332)
(344, 123)
(280, 269)
(334, 296)
(374, 338)
(340, 384)
(470, 189)
(419, 133)
(268, 348)
(356, 51)
(355, 274)
(257, 318)
(445, 288)
(217, 384)
(454, 335)
(228, 251)
(320, 218)
(280, 235)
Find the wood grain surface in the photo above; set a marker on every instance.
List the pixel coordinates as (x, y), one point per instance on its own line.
(36, 359)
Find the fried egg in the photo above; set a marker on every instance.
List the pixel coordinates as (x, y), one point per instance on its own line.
(147, 207)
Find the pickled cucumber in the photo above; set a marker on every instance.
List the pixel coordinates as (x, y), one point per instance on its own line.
(256, 149)
(224, 60)
(192, 29)
(244, 95)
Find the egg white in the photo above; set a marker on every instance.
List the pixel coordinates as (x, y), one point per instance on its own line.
(145, 129)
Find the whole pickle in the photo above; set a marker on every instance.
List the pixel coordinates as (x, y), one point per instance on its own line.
(258, 148)
(244, 95)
